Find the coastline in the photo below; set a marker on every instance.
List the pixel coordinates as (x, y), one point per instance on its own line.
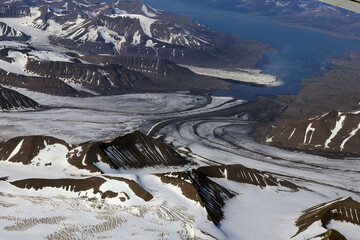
(321, 95)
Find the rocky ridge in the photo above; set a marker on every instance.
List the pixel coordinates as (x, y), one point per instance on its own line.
(11, 100)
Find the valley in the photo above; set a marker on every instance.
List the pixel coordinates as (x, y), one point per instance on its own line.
(196, 127)
(112, 126)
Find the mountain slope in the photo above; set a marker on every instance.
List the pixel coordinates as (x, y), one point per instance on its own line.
(11, 100)
(306, 13)
(343, 210)
(131, 28)
(322, 118)
(134, 150)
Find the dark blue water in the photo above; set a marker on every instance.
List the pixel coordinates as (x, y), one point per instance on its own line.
(302, 53)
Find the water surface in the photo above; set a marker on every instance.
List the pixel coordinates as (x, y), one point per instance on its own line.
(302, 53)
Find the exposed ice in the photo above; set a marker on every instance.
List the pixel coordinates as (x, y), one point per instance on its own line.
(242, 75)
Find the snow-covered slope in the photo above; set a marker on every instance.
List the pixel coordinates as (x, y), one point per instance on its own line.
(134, 150)
(81, 48)
(127, 28)
(338, 219)
(212, 181)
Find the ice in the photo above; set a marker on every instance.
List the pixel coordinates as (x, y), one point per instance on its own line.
(254, 213)
(50, 56)
(107, 117)
(242, 75)
(13, 44)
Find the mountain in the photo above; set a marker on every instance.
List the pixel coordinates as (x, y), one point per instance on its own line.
(128, 28)
(311, 14)
(343, 210)
(322, 118)
(333, 132)
(11, 100)
(81, 48)
(134, 150)
(91, 170)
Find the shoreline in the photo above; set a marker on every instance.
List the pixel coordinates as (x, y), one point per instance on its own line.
(283, 113)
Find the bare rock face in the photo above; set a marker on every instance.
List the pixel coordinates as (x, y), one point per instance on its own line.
(242, 174)
(153, 66)
(11, 100)
(343, 209)
(200, 188)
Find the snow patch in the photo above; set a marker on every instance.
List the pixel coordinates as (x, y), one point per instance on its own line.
(339, 124)
(309, 129)
(146, 11)
(16, 150)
